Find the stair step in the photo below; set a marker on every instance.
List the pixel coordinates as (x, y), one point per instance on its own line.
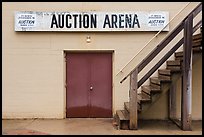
(145, 95)
(180, 53)
(149, 89)
(179, 56)
(174, 68)
(197, 49)
(155, 85)
(196, 44)
(122, 119)
(143, 98)
(156, 80)
(127, 107)
(173, 62)
(164, 71)
(197, 36)
(197, 40)
(122, 115)
(164, 77)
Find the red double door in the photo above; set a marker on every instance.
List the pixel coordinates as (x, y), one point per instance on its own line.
(89, 85)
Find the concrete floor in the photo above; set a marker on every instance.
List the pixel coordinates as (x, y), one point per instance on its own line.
(92, 126)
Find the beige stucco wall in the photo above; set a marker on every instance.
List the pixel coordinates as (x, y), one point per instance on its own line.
(33, 65)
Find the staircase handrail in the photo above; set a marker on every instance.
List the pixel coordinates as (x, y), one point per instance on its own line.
(163, 44)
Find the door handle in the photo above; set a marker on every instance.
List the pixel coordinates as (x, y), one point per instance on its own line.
(91, 88)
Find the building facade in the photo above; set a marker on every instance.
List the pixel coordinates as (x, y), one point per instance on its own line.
(41, 68)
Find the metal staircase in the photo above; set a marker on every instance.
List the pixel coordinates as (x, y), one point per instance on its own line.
(180, 67)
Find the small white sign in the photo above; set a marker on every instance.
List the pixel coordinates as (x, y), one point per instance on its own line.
(26, 20)
(156, 20)
(91, 21)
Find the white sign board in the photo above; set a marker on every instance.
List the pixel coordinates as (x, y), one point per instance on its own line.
(91, 21)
